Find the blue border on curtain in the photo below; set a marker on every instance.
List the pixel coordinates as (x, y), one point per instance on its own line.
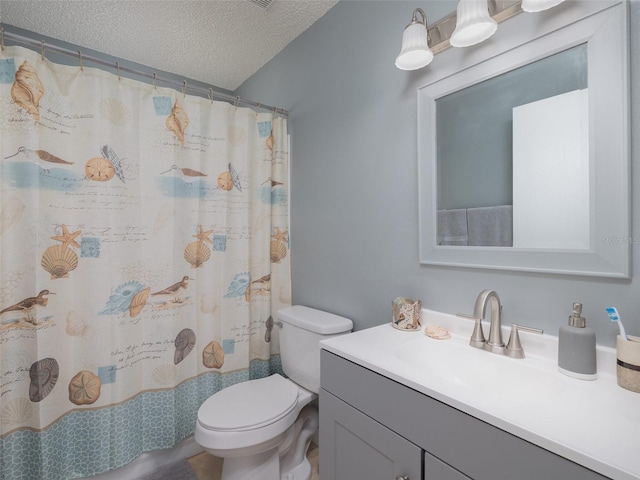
(167, 417)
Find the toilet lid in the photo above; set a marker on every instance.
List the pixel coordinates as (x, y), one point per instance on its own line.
(250, 404)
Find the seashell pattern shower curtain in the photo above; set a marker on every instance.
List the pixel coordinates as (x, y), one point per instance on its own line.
(143, 256)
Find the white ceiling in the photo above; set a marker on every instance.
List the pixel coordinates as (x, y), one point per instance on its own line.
(218, 42)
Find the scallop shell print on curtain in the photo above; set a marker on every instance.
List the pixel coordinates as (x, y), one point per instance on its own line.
(143, 256)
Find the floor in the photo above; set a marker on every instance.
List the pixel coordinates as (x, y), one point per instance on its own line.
(208, 467)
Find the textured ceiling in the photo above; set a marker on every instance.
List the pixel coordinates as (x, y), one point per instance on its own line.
(218, 42)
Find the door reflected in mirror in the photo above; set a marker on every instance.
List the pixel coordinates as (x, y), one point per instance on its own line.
(513, 158)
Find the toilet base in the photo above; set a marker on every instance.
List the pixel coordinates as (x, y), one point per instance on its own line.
(265, 466)
(301, 472)
(288, 461)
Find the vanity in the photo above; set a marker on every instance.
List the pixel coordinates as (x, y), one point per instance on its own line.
(403, 406)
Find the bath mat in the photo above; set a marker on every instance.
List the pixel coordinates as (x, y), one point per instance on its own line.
(180, 470)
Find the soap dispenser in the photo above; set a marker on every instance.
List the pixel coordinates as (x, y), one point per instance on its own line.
(577, 347)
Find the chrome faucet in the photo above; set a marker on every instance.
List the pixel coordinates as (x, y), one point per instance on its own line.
(495, 344)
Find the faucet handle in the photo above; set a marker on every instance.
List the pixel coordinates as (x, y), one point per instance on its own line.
(477, 337)
(514, 347)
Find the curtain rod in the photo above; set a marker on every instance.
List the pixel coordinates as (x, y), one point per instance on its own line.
(151, 76)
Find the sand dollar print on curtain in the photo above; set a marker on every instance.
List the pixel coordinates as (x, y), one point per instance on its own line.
(143, 256)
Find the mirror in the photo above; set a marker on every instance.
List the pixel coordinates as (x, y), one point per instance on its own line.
(533, 117)
(494, 196)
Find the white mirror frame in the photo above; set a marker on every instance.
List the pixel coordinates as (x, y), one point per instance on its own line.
(528, 37)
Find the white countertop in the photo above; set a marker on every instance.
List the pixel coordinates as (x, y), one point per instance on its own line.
(593, 423)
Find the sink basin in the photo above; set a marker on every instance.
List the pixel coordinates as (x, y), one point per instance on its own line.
(455, 362)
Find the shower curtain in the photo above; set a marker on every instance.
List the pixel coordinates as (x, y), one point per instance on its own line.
(143, 256)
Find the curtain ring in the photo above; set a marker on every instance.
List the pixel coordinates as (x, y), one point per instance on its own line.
(42, 50)
(184, 88)
(211, 95)
(2, 39)
(237, 101)
(155, 81)
(80, 57)
(118, 70)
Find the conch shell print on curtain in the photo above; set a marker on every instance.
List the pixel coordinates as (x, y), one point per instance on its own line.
(27, 89)
(178, 121)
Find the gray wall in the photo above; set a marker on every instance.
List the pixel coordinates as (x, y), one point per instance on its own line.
(354, 212)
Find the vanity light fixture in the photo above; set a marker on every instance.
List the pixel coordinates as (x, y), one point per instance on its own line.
(539, 5)
(472, 22)
(415, 52)
(473, 25)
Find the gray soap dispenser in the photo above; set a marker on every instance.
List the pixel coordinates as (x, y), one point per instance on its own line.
(577, 347)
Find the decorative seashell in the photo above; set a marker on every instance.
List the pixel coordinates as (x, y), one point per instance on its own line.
(27, 89)
(165, 374)
(278, 251)
(235, 178)
(44, 375)
(225, 182)
(177, 121)
(109, 154)
(236, 135)
(437, 332)
(138, 302)
(10, 212)
(269, 327)
(213, 355)
(59, 260)
(76, 327)
(196, 253)
(185, 341)
(261, 286)
(84, 388)
(208, 303)
(16, 411)
(99, 169)
(114, 111)
(121, 298)
(238, 286)
(270, 142)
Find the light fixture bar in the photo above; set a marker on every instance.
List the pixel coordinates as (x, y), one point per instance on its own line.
(440, 32)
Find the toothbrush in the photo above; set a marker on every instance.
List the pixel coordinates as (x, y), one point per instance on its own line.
(614, 316)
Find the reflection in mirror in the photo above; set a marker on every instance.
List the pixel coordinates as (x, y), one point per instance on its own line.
(513, 159)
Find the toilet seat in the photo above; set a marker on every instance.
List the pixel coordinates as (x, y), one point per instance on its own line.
(249, 405)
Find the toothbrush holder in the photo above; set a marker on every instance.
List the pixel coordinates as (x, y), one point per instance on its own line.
(628, 367)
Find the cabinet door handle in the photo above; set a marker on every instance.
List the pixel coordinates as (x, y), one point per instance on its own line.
(402, 477)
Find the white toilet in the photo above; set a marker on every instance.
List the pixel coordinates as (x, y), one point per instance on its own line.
(262, 428)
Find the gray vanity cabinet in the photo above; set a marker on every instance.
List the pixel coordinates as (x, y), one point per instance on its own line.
(356, 446)
(372, 427)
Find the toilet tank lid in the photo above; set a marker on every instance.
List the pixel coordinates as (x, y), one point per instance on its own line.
(314, 320)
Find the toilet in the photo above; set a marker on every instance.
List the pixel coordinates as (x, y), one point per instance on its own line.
(262, 428)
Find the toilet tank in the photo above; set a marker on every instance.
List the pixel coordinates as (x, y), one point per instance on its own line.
(302, 328)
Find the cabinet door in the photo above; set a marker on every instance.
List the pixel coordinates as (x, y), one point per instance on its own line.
(353, 446)
(436, 469)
